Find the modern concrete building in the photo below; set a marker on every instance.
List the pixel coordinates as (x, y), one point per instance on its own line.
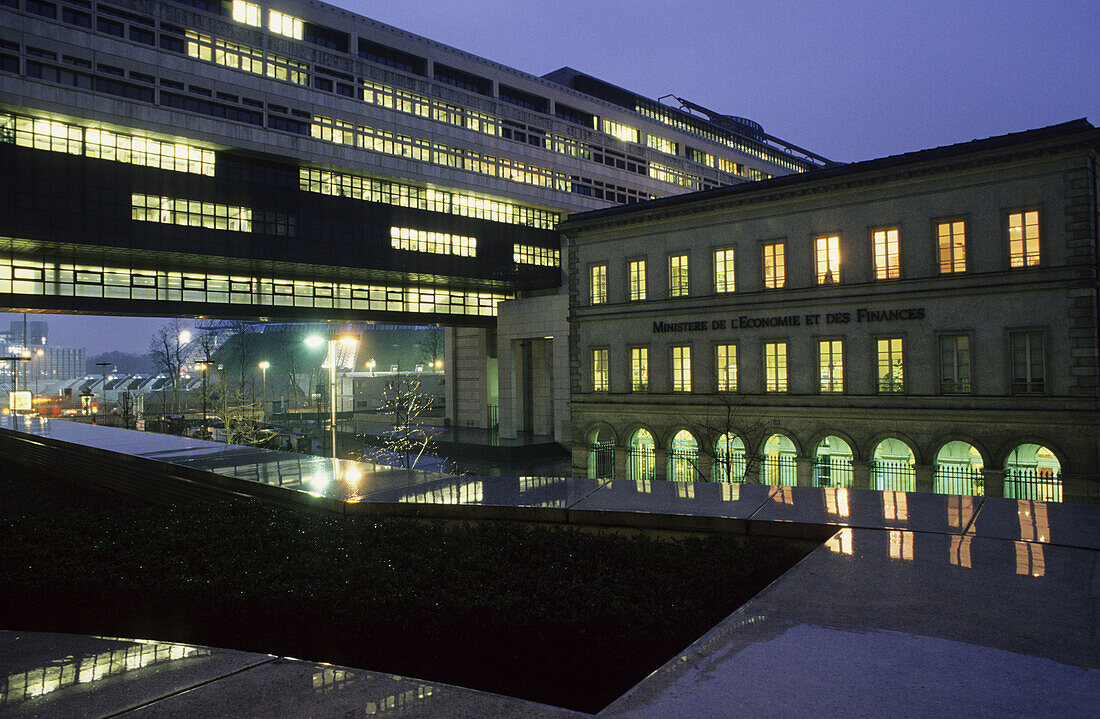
(925, 321)
(293, 160)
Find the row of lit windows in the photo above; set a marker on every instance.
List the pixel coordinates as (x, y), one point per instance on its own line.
(439, 243)
(131, 149)
(327, 182)
(250, 14)
(1023, 237)
(248, 59)
(1028, 367)
(191, 213)
(94, 281)
(531, 255)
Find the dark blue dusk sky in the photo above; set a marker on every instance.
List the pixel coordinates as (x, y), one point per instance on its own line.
(848, 80)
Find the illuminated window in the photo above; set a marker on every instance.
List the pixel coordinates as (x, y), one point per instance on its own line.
(723, 271)
(284, 24)
(597, 286)
(600, 376)
(678, 276)
(726, 363)
(620, 131)
(636, 270)
(529, 255)
(830, 360)
(889, 357)
(885, 242)
(192, 213)
(246, 12)
(954, 364)
(436, 243)
(681, 368)
(775, 266)
(662, 145)
(827, 260)
(952, 246)
(1023, 239)
(639, 369)
(775, 366)
(1028, 363)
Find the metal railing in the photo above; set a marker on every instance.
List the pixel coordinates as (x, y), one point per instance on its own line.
(729, 468)
(893, 476)
(832, 471)
(640, 463)
(601, 463)
(1033, 484)
(958, 479)
(780, 470)
(683, 466)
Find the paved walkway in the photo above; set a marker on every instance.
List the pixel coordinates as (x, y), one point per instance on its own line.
(917, 605)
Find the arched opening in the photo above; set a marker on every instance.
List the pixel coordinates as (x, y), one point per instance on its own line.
(958, 470)
(683, 458)
(1033, 472)
(892, 468)
(639, 456)
(729, 459)
(601, 454)
(832, 463)
(780, 468)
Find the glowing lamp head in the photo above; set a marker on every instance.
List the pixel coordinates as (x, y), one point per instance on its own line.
(314, 341)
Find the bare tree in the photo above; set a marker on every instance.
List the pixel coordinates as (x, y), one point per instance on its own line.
(431, 347)
(716, 427)
(405, 403)
(288, 347)
(237, 411)
(167, 352)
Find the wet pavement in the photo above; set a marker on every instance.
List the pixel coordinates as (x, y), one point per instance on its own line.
(917, 605)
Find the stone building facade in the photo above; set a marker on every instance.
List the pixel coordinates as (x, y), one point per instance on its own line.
(925, 322)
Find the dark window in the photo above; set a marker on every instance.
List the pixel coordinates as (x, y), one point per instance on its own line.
(277, 108)
(301, 113)
(571, 114)
(75, 17)
(171, 44)
(253, 103)
(111, 70)
(39, 52)
(123, 89)
(206, 107)
(325, 37)
(9, 63)
(10, 3)
(287, 125)
(108, 10)
(140, 34)
(9, 45)
(464, 80)
(45, 9)
(345, 90)
(204, 91)
(212, 6)
(517, 97)
(142, 77)
(110, 27)
(322, 83)
(227, 97)
(333, 73)
(391, 57)
(171, 83)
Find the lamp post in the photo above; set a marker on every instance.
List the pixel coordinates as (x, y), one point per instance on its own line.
(104, 365)
(37, 371)
(203, 367)
(315, 341)
(263, 398)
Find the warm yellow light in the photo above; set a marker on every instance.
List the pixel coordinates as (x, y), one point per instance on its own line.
(265, 364)
(314, 341)
(348, 340)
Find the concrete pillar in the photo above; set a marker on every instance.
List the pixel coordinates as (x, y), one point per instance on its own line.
(924, 478)
(620, 463)
(804, 471)
(542, 396)
(994, 482)
(467, 377)
(580, 460)
(861, 475)
(1080, 489)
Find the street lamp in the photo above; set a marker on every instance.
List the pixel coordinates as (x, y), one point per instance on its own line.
(203, 367)
(315, 341)
(263, 406)
(370, 366)
(37, 371)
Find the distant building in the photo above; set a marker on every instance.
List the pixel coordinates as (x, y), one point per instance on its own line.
(926, 321)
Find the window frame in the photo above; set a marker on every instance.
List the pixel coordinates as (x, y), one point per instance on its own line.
(819, 279)
(729, 270)
(1041, 332)
(785, 378)
(819, 341)
(966, 263)
(877, 360)
(720, 369)
(675, 292)
(595, 367)
(635, 384)
(896, 267)
(1007, 234)
(782, 283)
(594, 297)
(643, 295)
(944, 335)
(685, 386)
